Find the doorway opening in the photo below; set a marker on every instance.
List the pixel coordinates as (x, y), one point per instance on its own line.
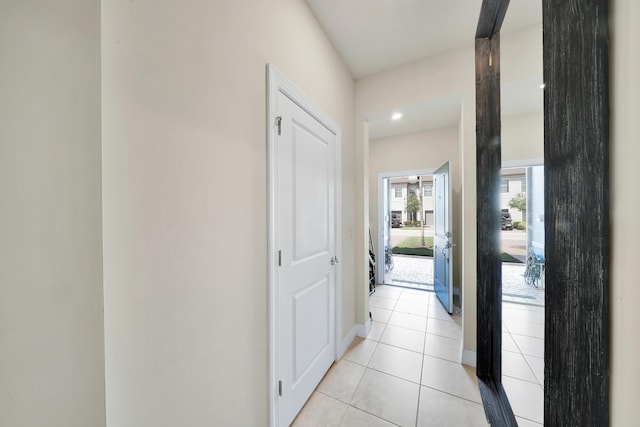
(522, 234)
(416, 253)
(406, 252)
(523, 288)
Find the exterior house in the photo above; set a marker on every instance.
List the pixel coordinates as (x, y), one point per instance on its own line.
(422, 187)
(129, 296)
(514, 181)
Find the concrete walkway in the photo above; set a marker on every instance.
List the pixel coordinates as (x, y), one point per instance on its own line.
(411, 272)
(417, 272)
(514, 289)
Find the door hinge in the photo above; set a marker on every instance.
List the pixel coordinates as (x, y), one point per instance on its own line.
(279, 124)
(279, 258)
(280, 388)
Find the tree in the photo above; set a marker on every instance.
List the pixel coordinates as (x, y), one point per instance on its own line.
(413, 205)
(519, 202)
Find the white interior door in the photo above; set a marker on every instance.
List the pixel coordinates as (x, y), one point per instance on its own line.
(442, 238)
(306, 238)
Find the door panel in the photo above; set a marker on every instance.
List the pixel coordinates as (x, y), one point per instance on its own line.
(310, 326)
(442, 238)
(306, 206)
(311, 192)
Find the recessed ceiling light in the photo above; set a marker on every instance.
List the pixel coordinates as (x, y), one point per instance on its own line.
(396, 116)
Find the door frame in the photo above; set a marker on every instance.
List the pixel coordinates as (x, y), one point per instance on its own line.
(380, 226)
(278, 83)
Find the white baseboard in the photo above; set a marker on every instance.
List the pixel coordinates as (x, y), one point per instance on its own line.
(469, 358)
(363, 330)
(357, 330)
(346, 342)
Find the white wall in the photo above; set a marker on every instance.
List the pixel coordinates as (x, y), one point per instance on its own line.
(184, 139)
(51, 309)
(441, 77)
(625, 205)
(522, 137)
(421, 150)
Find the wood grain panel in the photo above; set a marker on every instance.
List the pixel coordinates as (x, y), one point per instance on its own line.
(492, 14)
(488, 163)
(576, 146)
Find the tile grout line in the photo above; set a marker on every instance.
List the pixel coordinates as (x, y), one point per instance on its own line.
(361, 377)
(525, 361)
(425, 332)
(523, 380)
(349, 405)
(424, 345)
(452, 395)
(419, 383)
(360, 382)
(521, 353)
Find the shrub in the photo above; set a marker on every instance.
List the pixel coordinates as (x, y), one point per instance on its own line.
(412, 223)
(519, 225)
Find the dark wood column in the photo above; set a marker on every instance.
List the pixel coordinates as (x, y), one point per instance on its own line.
(488, 161)
(488, 165)
(576, 156)
(489, 264)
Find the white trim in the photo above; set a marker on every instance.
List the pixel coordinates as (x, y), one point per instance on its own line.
(346, 342)
(468, 358)
(522, 163)
(278, 83)
(363, 330)
(272, 308)
(380, 227)
(409, 172)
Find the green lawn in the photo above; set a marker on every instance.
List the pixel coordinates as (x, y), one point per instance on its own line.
(508, 258)
(413, 246)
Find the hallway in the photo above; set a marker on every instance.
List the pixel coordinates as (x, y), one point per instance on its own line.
(405, 373)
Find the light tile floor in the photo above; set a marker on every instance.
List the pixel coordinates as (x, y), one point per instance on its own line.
(523, 361)
(405, 373)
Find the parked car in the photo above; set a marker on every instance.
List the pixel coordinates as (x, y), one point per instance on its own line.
(506, 222)
(396, 222)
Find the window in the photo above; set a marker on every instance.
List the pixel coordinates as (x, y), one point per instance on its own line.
(397, 192)
(428, 190)
(523, 185)
(413, 189)
(504, 186)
